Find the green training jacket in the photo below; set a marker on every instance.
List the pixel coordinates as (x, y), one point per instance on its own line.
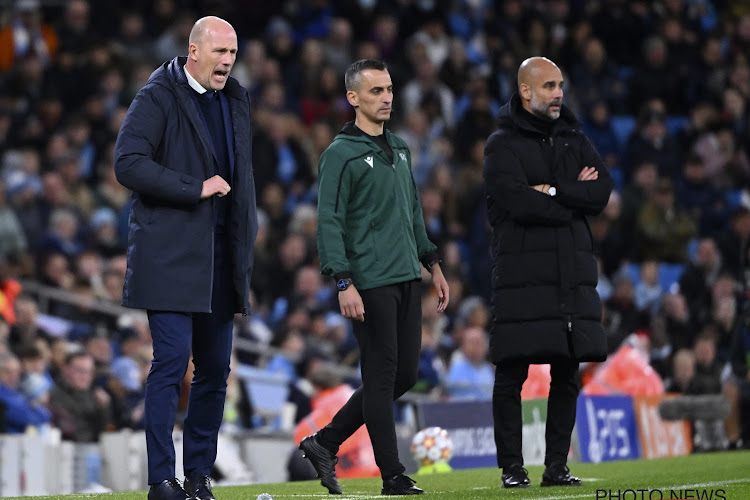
(370, 224)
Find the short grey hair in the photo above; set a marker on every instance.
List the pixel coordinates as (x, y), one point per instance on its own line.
(354, 71)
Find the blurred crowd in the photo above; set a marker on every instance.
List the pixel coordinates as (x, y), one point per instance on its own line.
(661, 87)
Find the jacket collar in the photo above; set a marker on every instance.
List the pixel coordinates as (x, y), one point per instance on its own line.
(172, 72)
(511, 116)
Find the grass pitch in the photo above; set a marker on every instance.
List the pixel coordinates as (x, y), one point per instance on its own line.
(710, 476)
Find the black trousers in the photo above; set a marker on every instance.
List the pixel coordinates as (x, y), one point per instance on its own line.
(389, 340)
(561, 411)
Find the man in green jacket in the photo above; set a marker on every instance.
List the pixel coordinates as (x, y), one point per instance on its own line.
(371, 240)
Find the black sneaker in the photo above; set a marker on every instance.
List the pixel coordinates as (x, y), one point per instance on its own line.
(400, 485)
(169, 489)
(559, 475)
(324, 462)
(515, 476)
(199, 487)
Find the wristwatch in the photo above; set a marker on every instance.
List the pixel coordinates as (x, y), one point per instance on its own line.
(552, 191)
(343, 284)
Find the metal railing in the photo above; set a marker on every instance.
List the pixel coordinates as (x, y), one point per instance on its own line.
(44, 294)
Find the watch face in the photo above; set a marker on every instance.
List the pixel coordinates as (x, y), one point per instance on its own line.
(341, 284)
(552, 191)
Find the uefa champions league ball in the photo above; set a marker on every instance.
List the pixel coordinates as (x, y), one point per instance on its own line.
(431, 446)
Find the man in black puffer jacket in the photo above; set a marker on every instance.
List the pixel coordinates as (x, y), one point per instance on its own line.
(543, 177)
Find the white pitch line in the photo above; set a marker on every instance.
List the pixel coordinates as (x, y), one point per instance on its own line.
(556, 497)
(663, 488)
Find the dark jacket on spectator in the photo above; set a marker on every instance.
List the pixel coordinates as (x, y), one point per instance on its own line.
(77, 414)
(163, 154)
(544, 295)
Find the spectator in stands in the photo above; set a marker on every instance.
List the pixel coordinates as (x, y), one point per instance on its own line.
(699, 278)
(636, 193)
(650, 141)
(470, 375)
(426, 84)
(655, 78)
(663, 229)
(26, 329)
(698, 195)
(623, 316)
(648, 290)
(681, 329)
(596, 80)
(20, 412)
(26, 34)
(190, 245)
(598, 128)
(707, 377)
(734, 243)
(13, 241)
(80, 410)
(542, 178)
(683, 370)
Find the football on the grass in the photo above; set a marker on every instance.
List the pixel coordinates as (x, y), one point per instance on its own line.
(431, 446)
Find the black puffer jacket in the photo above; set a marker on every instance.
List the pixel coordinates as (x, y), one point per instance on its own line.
(545, 304)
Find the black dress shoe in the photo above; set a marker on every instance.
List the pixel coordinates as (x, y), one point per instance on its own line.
(324, 462)
(199, 487)
(559, 475)
(515, 476)
(169, 489)
(400, 485)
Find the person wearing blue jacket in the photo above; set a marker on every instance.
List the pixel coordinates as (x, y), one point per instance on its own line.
(184, 149)
(19, 411)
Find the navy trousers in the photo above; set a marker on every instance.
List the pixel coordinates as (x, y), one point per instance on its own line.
(174, 334)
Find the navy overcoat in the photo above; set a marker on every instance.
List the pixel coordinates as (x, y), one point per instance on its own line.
(163, 154)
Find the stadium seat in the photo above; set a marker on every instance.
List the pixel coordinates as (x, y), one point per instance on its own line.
(675, 124)
(733, 198)
(622, 126)
(268, 391)
(669, 274)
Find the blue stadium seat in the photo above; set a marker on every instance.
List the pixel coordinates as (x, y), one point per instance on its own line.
(268, 391)
(633, 271)
(617, 178)
(669, 276)
(675, 124)
(622, 126)
(733, 198)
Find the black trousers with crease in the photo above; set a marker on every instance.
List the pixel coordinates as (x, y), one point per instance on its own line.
(389, 340)
(508, 417)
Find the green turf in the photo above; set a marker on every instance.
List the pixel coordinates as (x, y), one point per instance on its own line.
(709, 475)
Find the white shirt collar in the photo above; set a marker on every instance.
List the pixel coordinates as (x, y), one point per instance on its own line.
(193, 82)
